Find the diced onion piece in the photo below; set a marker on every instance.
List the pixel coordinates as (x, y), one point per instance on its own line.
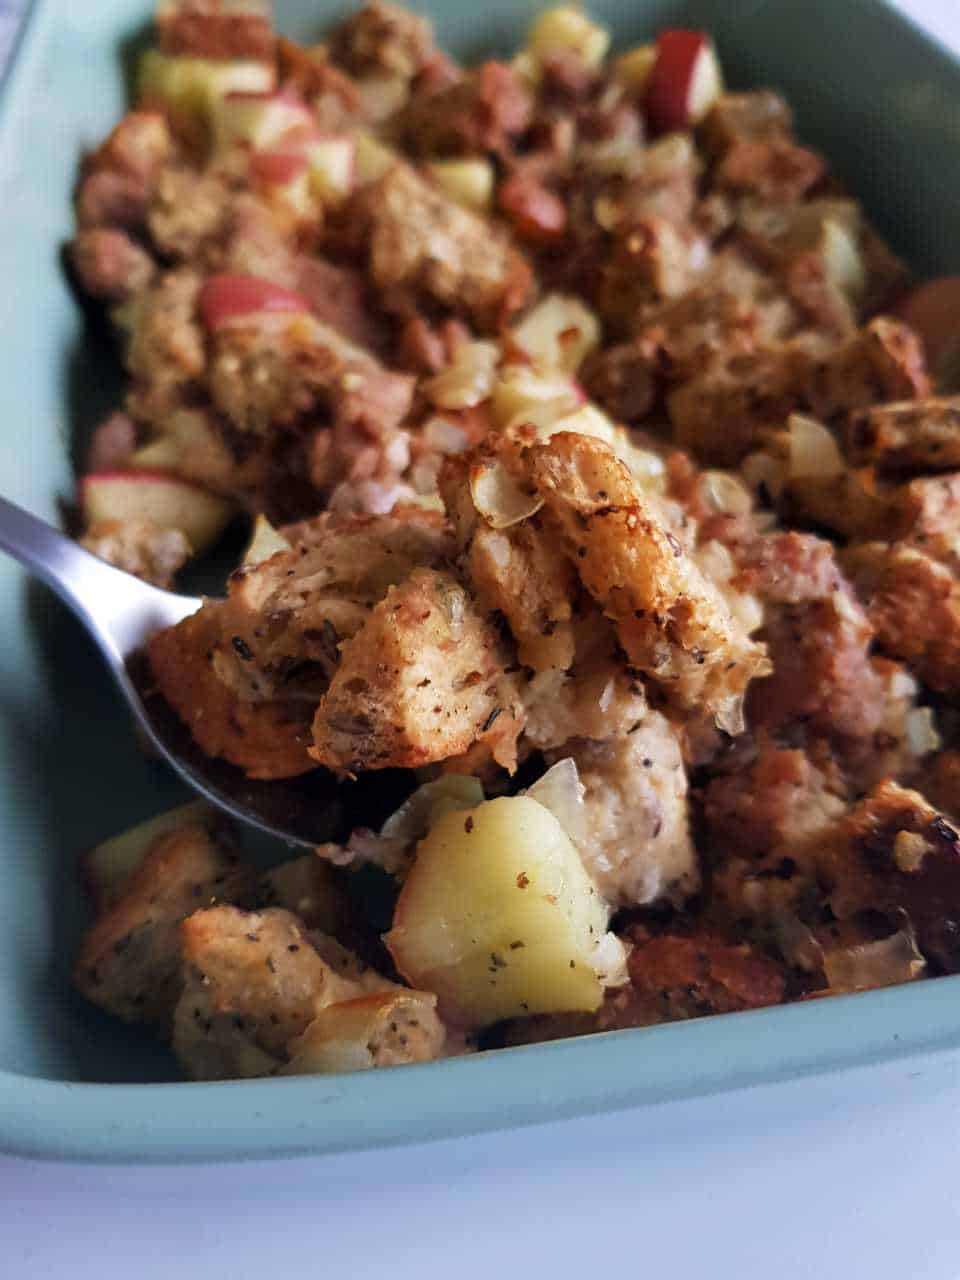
(566, 29)
(814, 453)
(264, 542)
(874, 964)
(921, 731)
(764, 473)
(609, 958)
(429, 803)
(521, 387)
(561, 791)
(468, 379)
(469, 183)
(445, 436)
(727, 494)
(559, 333)
(498, 497)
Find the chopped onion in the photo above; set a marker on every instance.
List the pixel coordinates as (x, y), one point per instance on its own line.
(522, 389)
(445, 435)
(814, 453)
(726, 493)
(561, 791)
(560, 332)
(498, 497)
(468, 379)
(609, 958)
(429, 803)
(921, 731)
(874, 964)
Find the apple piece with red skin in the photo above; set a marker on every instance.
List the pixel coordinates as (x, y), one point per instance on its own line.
(933, 310)
(105, 868)
(261, 122)
(157, 496)
(227, 297)
(684, 81)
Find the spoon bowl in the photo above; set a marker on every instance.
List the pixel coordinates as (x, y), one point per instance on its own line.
(121, 613)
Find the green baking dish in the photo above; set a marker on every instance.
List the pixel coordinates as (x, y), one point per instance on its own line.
(883, 101)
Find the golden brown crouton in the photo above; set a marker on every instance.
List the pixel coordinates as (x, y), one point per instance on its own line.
(419, 682)
(881, 362)
(421, 241)
(520, 571)
(672, 622)
(771, 167)
(384, 39)
(129, 962)
(266, 739)
(892, 852)
(761, 113)
(908, 435)
(297, 607)
(252, 981)
(382, 1029)
(265, 375)
(212, 29)
(167, 354)
(914, 604)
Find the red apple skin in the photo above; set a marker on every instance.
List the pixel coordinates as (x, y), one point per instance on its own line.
(667, 100)
(933, 310)
(277, 168)
(227, 297)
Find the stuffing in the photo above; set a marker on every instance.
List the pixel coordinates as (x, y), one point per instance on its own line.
(267, 739)
(215, 29)
(422, 680)
(639, 848)
(252, 982)
(139, 547)
(908, 435)
(109, 265)
(673, 624)
(130, 960)
(423, 243)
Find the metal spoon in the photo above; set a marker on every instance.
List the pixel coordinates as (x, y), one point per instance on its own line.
(121, 613)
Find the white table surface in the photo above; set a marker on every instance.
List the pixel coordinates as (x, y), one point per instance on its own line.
(836, 1178)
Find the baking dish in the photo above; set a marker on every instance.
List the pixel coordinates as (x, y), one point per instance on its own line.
(882, 101)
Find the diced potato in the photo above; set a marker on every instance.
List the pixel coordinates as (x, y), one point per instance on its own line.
(567, 29)
(107, 866)
(499, 917)
(469, 182)
(560, 332)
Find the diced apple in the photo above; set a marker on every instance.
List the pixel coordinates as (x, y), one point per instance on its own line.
(159, 497)
(194, 87)
(685, 80)
(265, 542)
(191, 446)
(107, 866)
(260, 122)
(230, 297)
(633, 67)
(933, 309)
(372, 158)
(469, 183)
(284, 177)
(567, 29)
(560, 332)
(332, 165)
(499, 917)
